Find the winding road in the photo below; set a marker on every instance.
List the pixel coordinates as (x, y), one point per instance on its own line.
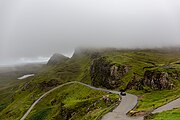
(169, 106)
(128, 102)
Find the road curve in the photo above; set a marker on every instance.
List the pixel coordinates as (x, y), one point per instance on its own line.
(168, 106)
(127, 103)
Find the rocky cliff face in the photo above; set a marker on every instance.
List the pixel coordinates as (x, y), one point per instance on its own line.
(104, 73)
(157, 80)
(57, 58)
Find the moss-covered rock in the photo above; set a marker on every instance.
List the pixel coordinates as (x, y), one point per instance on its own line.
(106, 74)
(157, 80)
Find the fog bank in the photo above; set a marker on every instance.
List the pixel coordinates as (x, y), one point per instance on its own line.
(34, 29)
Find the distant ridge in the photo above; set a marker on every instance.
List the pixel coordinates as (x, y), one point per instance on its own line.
(57, 58)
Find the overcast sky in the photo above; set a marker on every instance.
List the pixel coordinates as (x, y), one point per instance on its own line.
(35, 29)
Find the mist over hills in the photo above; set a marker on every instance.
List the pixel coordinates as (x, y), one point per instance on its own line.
(89, 57)
(56, 58)
(31, 28)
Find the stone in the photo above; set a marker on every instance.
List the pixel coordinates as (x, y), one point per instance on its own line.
(157, 80)
(104, 73)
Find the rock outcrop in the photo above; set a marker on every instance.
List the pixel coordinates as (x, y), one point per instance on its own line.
(104, 73)
(157, 80)
(135, 84)
(57, 58)
(52, 83)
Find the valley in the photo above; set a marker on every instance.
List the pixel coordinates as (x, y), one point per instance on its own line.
(153, 75)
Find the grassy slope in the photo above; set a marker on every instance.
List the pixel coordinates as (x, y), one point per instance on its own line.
(144, 58)
(9, 75)
(8, 86)
(154, 99)
(136, 59)
(7, 93)
(9, 83)
(77, 68)
(71, 70)
(166, 115)
(75, 99)
(5, 96)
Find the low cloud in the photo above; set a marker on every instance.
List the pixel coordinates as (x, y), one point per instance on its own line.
(33, 28)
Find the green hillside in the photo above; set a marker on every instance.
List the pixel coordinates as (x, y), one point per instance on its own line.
(73, 101)
(9, 82)
(153, 60)
(166, 115)
(126, 70)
